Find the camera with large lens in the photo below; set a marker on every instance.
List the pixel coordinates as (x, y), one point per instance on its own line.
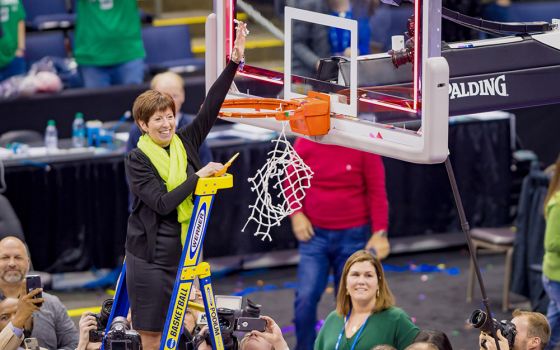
(121, 337)
(232, 321)
(480, 319)
(96, 335)
(406, 54)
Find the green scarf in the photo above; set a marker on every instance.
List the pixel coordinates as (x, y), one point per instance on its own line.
(172, 168)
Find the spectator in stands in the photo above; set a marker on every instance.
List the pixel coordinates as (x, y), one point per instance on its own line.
(383, 347)
(172, 84)
(14, 316)
(12, 40)
(309, 41)
(108, 44)
(365, 314)
(52, 326)
(163, 173)
(496, 10)
(344, 210)
(551, 260)
(361, 11)
(533, 333)
(437, 338)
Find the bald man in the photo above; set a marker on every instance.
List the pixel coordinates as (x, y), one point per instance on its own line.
(52, 326)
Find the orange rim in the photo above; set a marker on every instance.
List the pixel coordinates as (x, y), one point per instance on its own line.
(309, 115)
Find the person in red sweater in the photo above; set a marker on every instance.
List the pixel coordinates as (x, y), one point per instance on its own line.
(344, 210)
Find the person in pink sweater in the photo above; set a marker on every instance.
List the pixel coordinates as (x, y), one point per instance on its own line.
(344, 210)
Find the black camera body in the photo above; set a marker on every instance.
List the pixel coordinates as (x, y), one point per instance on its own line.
(96, 335)
(121, 337)
(244, 320)
(480, 319)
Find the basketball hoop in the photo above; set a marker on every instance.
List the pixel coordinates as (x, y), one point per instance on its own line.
(280, 184)
(307, 116)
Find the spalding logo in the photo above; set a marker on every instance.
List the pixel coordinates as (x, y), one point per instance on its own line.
(198, 228)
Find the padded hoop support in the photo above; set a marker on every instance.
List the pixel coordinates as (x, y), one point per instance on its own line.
(308, 115)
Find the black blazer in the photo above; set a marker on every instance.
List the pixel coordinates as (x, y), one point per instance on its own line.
(152, 202)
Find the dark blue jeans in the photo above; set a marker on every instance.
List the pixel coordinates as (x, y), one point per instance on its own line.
(328, 249)
(16, 67)
(552, 288)
(127, 73)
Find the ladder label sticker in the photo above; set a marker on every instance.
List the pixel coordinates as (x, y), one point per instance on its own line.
(198, 227)
(212, 315)
(177, 315)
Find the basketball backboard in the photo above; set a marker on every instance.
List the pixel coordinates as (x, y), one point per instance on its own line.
(407, 120)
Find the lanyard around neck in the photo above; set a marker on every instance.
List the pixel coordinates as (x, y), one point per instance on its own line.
(357, 334)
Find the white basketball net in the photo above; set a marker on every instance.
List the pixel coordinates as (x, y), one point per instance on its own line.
(286, 173)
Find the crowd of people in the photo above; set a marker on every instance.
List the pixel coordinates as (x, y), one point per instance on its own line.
(107, 45)
(365, 317)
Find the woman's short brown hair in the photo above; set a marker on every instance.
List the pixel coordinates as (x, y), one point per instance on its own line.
(150, 102)
(385, 299)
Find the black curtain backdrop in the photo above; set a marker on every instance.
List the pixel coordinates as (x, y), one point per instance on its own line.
(74, 213)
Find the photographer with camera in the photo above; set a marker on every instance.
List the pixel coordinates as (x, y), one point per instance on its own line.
(88, 323)
(119, 335)
(14, 315)
(526, 331)
(270, 339)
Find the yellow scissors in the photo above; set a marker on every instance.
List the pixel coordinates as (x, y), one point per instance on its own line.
(226, 166)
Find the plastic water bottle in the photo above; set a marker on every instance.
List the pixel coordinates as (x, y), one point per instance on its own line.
(51, 137)
(79, 131)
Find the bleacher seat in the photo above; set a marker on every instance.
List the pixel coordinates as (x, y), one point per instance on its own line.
(47, 14)
(169, 48)
(39, 45)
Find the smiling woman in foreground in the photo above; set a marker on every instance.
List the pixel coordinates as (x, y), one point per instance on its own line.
(365, 314)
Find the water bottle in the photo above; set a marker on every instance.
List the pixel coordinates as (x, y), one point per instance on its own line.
(79, 131)
(51, 137)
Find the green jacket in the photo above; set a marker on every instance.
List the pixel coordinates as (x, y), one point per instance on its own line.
(390, 327)
(11, 13)
(551, 260)
(107, 32)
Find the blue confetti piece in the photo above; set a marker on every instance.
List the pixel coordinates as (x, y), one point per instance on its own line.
(421, 268)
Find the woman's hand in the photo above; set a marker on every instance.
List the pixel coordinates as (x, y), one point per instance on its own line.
(26, 305)
(380, 244)
(301, 226)
(87, 322)
(272, 334)
(210, 169)
(199, 338)
(238, 52)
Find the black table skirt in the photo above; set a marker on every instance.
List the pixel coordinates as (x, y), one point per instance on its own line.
(74, 213)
